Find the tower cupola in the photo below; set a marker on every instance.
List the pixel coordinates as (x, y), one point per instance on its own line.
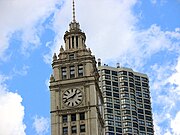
(74, 38)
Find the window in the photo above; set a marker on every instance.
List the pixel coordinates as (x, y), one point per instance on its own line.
(109, 110)
(63, 71)
(141, 122)
(147, 106)
(108, 93)
(117, 123)
(135, 125)
(138, 94)
(147, 112)
(137, 83)
(124, 95)
(65, 130)
(69, 42)
(72, 41)
(123, 73)
(126, 117)
(149, 129)
(131, 80)
(127, 124)
(109, 105)
(126, 106)
(131, 74)
(114, 78)
(116, 101)
(124, 83)
(145, 84)
(140, 116)
(115, 89)
(144, 79)
(107, 71)
(134, 113)
(116, 106)
(137, 78)
(107, 77)
(148, 118)
(108, 88)
(125, 89)
(110, 122)
(127, 130)
(108, 82)
(131, 85)
(72, 71)
(117, 118)
(71, 56)
(109, 116)
(147, 101)
(145, 95)
(82, 128)
(80, 70)
(114, 73)
(64, 118)
(142, 128)
(115, 84)
(116, 95)
(82, 116)
(76, 41)
(73, 129)
(126, 112)
(111, 128)
(107, 99)
(73, 117)
(117, 112)
(140, 111)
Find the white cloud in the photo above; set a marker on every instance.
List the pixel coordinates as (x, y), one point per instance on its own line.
(175, 78)
(12, 111)
(41, 125)
(165, 95)
(23, 71)
(111, 26)
(175, 124)
(23, 17)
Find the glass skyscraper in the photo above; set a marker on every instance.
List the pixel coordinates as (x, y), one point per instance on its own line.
(127, 104)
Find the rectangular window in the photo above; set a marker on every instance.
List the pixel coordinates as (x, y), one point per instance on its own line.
(71, 56)
(73, 129)
(72, 41)
(114, 73)
(63, 71)
(115, 84)
(72, 72)
(107, 71)
(77, 42)
(64, 118)
(73, 117)
(82, 116)
(65, 130)
(69, 43)
(108, 82)
(80, 70)
(82, 128)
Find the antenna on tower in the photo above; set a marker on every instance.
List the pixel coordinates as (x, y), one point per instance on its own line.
(74, 17)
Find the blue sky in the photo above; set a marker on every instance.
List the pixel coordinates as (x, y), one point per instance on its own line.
(139, 34)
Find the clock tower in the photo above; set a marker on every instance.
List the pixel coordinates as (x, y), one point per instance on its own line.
(76, 100)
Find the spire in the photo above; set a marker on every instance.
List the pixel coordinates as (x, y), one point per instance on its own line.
(74, 17)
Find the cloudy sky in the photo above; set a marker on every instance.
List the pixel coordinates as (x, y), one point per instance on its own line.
(139, 34)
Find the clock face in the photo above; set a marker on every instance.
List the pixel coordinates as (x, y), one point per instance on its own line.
(72, 97)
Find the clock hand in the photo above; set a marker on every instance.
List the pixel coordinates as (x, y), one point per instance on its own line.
(71, 97)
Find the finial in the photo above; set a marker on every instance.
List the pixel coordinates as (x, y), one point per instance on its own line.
(74, 17)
